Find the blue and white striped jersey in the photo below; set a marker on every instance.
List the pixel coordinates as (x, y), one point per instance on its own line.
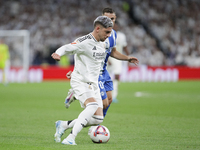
(110, 43)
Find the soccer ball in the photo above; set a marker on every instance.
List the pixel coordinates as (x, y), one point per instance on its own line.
(99, 134)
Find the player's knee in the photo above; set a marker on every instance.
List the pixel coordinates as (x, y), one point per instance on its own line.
(109, 100)
(109, 94)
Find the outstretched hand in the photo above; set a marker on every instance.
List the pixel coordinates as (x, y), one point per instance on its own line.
(133, 60)
(55, 56)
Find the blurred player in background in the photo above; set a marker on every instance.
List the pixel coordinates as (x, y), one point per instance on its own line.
(114, 65)
(89, 53)
(4, 61)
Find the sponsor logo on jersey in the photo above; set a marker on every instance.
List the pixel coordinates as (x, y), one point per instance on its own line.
(99, 56)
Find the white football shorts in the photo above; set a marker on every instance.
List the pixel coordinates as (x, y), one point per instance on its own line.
(83, 91)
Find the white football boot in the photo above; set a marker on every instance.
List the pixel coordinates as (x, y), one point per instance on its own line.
(70, 98)
(59, 131)
(69, 141)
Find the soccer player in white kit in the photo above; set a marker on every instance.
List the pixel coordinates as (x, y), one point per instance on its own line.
(89, 53)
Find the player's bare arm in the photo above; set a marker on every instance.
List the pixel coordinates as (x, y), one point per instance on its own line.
(55, 56)
(117, 55)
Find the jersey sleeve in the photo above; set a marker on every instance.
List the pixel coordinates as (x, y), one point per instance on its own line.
(115, 38)
(71, 49)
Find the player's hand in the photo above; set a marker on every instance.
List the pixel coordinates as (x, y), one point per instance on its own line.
(133, 60)
(55, 56)
(68, 75)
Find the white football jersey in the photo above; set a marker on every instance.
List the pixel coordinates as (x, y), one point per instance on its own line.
(89, 53)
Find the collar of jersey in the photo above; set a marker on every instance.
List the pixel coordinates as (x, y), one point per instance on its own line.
(93, 37)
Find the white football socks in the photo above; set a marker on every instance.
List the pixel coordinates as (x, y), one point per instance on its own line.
(84, 117)
(68, 124)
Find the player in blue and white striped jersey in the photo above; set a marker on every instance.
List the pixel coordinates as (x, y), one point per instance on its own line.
(105, 82)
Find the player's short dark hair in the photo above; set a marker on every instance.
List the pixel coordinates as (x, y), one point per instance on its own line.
(108, 10)
(104, 21)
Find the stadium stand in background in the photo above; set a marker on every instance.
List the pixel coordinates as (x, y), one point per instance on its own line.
(158, 33)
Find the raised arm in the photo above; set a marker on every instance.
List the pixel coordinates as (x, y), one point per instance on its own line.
(117, 55)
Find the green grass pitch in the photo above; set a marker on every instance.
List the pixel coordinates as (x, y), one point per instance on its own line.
(149, 116)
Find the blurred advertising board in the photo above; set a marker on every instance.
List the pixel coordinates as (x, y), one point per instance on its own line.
(129, 74)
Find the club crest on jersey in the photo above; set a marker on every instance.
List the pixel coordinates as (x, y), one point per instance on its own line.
(90, 87)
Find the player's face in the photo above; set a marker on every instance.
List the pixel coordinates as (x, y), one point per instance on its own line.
(111, 16)
(104, 33)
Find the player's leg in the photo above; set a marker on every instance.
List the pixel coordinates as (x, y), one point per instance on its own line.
(108, 87)
(90, 108)
(96, 119)
(90, 101)
(61, 126)
(103, 95)
(117, 69)
(70, 98)
(115, 88)
(105, 101)
(109, 95)
(89, 116)
(109, 98)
